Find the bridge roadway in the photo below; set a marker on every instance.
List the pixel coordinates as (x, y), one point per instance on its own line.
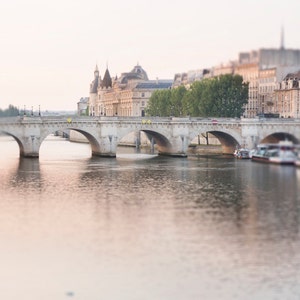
(172, 136)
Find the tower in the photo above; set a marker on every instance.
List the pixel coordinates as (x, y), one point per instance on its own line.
(105, 86)
(93, 93)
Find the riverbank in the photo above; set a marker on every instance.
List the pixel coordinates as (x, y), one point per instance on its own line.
(204, 149)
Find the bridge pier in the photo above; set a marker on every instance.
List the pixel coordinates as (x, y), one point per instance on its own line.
(178, 147)
(105, 147)
(29, 146)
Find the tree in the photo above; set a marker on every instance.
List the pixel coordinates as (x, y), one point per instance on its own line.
(192, 99)
(200, 99)
(159, 103)
(177, 96)
(232, 95)
(9, 112)
(223, 96)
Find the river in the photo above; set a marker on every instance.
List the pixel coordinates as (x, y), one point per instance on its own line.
(143, 227)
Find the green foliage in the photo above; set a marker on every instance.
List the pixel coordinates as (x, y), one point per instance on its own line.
(177, 96)
(166, 102)
(232, 95)
(9, 112)
(159, 103)
(223, 96)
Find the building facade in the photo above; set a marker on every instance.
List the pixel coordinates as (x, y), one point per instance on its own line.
(263, 69)
(82, 106)
(124, 96)
(249, 71)
(287, 96)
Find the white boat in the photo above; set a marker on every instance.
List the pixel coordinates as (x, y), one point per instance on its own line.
(242, 153)
(282, 153)
(297, 161)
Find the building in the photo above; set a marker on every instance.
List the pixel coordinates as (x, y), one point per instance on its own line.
(263, 69)
(287, 96)
(82, 106)
(189, 77)
(249, 71)
(223, 69)
(92, 103)
(124, 96)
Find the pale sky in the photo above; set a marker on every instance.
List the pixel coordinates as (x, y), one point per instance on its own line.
(49, 49)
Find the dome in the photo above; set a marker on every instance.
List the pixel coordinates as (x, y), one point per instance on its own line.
(140, 72)
(137, 73)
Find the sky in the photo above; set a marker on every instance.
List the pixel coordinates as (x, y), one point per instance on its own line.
(49, 49)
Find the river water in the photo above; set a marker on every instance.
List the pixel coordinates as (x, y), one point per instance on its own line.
(142, 227)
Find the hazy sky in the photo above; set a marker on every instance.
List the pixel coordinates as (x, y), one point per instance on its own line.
(49, 49)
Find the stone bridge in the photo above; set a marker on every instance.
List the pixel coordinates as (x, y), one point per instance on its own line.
(172, 136)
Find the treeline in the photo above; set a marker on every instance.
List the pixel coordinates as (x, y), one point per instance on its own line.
(223, 96)
(9, 112)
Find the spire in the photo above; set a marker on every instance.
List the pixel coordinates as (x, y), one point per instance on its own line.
(96, 72)
(282, 38)
(94, 84)
(106, 82)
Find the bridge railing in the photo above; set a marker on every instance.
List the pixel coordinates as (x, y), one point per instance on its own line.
(144, 120)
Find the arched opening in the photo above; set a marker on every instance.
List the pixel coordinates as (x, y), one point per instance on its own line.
(158, 141)
(214, 142)
(10, 147)
(274, 138)
(9, 138)
(58, 147)
(143, 142)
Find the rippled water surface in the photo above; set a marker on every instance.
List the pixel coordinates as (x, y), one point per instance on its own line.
(141, 227)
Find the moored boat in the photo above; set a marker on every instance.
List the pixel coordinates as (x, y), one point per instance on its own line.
(282, 153)
(297, 161)
(242, 153)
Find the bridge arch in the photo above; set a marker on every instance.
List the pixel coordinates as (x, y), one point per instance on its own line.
(90, 136)
(279, 136)
(157, 137)
(19, 142)
(228, 142)
(229, 139)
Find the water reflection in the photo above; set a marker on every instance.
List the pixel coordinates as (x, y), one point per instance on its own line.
(147, 228)
(27, 175)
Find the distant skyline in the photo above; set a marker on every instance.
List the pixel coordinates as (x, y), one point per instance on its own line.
(49, 49)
